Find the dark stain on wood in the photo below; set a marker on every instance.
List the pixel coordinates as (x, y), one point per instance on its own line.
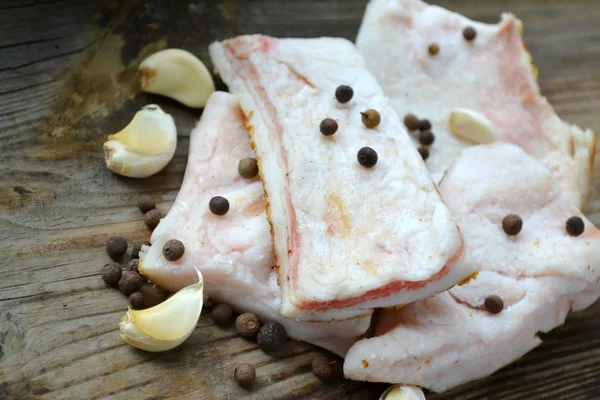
(21, 190)
(68, 78)
(88, 107)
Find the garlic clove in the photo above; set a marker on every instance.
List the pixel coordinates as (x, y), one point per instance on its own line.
(403, 392)
(177, 74)
(167, 325)
(150, 131)
(145, 146)
(473, 126)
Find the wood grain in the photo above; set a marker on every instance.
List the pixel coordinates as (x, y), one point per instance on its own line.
(67, 80)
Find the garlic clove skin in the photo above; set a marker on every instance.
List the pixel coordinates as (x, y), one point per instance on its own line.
(177, 74)
(403, 392)
(167, 325)
(145, 146)
(473, 126)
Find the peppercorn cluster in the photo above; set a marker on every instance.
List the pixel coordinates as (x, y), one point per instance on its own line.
(124, 274)
(270, 337)
(422, 128)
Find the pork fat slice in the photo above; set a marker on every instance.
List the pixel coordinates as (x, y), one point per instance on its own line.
(492, 75)
(541, 274)
(234, 251)
(347, 238)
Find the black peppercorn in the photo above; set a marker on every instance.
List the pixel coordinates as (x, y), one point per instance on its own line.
(328, 126)
(493, 304)
(116, 247)
(370, 118)
(271, 337)
(173, 250)
(130, 282)
(222, 314)
(344, 93)
(248, 168)
(218, 205)
(146, 203)
(575, 226)
(426, 138)
(244, 374)
(367, 157)
(424, 152)
(512, 224)
(152, 218)
(111, 273)
(247, 325)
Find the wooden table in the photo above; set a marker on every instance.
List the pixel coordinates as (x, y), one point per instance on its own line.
(67, 79)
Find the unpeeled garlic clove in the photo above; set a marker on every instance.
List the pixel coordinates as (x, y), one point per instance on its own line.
(143, 147)
(167, 325)
(403, 392)
(473, 126)
(177, 74)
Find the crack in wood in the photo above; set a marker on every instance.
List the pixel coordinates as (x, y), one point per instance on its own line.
(37, 3)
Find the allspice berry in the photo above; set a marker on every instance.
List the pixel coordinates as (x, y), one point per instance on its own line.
(512, 224)
(111, 273)
(493, 304)
(116, 247)
(575, 226)
(146, 203)
(424, 125)
(218, 205)
(271, 337)
(344, 93)
(135, 252)
(247, 325)
(222, 314)
(469, 33)
(244, 374)
(426, 138)
(153, 295)
(367, 157)
(370, 118)
(136, 300)
(152, 218)
(130, 282)
(424, 152)
(328, 126)
(248, 168)
(209, 303)
(411, 121)
(133, 265)
(173, 250)
(433, 49)
(322, 368)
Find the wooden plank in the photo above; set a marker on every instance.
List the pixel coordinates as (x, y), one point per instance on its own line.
(67, 80)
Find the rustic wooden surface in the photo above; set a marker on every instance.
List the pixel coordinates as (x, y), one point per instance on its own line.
(67, 79)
